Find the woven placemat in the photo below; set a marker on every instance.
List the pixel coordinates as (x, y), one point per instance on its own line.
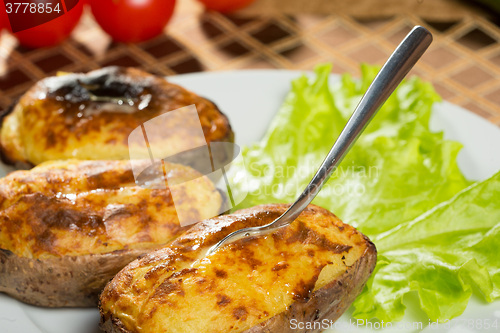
(463, 63)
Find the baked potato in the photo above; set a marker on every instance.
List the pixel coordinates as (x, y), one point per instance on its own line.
(67, 227)
(90, 116)
(310, 270)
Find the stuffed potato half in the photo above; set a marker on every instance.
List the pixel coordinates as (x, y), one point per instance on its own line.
(67, 227)
(90, 116)
(309, 271)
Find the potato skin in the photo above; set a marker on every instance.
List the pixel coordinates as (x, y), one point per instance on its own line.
(327, 302)
(67, 227)
(69, 281)
(58, 119)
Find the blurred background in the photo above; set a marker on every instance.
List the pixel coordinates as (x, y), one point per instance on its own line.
(463, 63)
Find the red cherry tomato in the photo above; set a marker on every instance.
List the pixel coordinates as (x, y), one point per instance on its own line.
(132, 20)
(4, 20)
(225, 6)
(52, 32)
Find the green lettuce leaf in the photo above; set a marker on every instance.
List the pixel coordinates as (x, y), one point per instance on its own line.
(443, 255)
(397, 171)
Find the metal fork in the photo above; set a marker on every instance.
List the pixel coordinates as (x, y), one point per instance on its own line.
(392, 73)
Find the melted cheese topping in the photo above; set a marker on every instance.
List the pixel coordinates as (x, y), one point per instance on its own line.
(177, 289)
(83, 207)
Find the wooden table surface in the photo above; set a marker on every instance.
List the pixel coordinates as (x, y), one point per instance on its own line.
(463, 63)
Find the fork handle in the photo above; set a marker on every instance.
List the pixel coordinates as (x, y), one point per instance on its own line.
(388, 78)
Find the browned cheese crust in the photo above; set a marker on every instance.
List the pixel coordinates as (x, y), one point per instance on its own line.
(309, 271)
(67, 227)
(70, 116)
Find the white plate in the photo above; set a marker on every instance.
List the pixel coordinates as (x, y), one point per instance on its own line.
(250, 99)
